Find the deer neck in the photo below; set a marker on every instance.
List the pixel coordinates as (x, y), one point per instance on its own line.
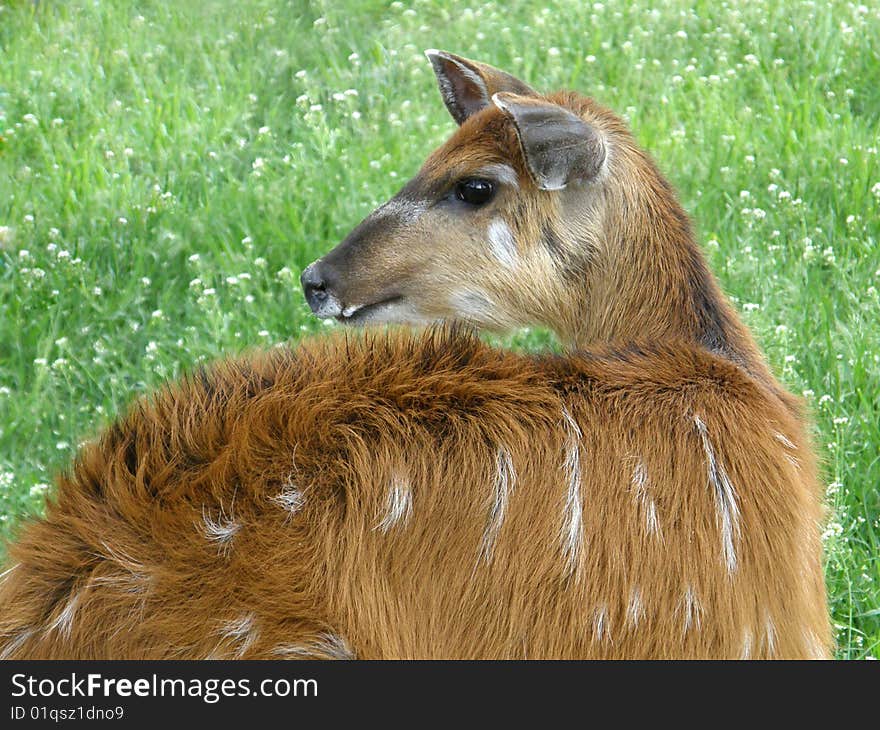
(649, 282)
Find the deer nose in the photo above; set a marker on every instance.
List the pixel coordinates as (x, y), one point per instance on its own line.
(316, 282)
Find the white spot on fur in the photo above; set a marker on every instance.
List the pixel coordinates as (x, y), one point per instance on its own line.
(502, 244)
(6, 573)
(290, 499)
(63, 623)
(138, 575)
(14, 644)
(322, 646)
(572, 529)
(220, 531)
(398, 504)
(725, 498)
(601, 624)
(504, 174)
(769, 636)
(747, 644)
(505, 481)
(814, 646)
(635, 612)
(785, 441)
(643, 498)
(692, 610)
(241, 632)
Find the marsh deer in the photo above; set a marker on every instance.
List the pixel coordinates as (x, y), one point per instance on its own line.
(651, 494)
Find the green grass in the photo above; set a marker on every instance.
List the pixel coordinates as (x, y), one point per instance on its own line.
(167, 169)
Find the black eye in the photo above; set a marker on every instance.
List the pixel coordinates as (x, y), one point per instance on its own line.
(475, 191)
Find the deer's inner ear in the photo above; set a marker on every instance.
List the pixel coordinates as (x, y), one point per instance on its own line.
(467, 86)
(559, 147)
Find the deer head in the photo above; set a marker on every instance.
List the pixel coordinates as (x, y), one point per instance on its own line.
(538, 210)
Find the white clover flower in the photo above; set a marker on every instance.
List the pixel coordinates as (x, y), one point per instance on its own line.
(38, 490)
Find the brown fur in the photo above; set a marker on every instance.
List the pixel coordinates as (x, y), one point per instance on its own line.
(341, 420)
(651, 495)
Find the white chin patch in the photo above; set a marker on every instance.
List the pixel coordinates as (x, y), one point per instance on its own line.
(397, 311)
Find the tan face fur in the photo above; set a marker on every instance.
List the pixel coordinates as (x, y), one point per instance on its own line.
(427, 255)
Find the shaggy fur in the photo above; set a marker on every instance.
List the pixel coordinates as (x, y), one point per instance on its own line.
(126, 563)
(652, 495)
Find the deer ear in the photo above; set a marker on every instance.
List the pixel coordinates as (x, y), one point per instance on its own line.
(559, 147)
(467, 86)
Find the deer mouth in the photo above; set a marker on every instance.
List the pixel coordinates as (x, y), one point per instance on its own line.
(382, 311)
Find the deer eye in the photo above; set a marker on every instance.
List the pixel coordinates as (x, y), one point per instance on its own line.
(475, 191)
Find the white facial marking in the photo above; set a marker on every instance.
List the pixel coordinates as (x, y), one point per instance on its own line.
(220, 531)
(324, 645)
(290, 499)
(14, 644)
(572, 530)
(643, 499)
(398, 504)
(635, 612)
(505, 481)
(725, 498)
(501, 243)
(64, 621)
(241, 632)
(504, 174)
(692, 610)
